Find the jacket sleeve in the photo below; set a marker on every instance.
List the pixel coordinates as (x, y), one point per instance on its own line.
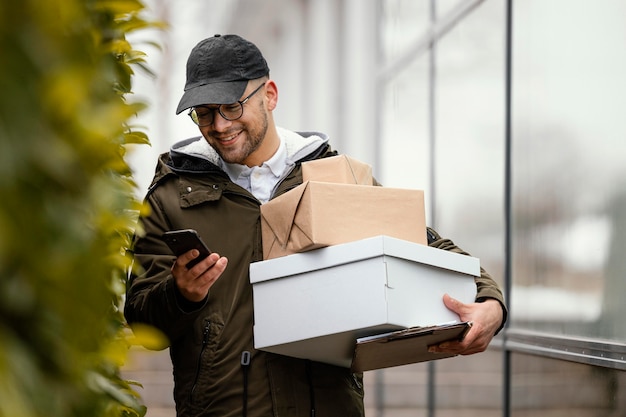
(486, 287)
(152, 297)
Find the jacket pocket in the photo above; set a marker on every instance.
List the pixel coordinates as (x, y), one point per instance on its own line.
(211, 330)
(195, 193)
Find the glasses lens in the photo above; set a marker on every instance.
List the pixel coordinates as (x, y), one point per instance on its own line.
(204, 116)
(194, 116)
(231, 111)
(201, 117)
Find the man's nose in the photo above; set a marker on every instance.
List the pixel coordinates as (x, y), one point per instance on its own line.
(219, 122)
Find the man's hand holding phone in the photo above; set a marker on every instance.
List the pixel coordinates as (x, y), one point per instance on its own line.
(196, 268)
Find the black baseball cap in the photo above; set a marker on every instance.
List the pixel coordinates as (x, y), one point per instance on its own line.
(218, 71)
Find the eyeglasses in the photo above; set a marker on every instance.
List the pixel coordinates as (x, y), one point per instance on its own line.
(205, 116)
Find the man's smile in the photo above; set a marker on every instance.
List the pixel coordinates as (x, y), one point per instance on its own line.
(227, 140)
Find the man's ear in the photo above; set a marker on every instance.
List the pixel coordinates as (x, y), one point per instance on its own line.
(271, 94)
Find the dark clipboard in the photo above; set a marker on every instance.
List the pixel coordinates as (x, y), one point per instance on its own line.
(404, 346)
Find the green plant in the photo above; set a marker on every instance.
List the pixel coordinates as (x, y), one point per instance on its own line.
(67, 205)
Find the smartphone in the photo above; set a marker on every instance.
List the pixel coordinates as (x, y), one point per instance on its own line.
(182, 241)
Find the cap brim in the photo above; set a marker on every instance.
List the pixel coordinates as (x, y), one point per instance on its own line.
(215, 93)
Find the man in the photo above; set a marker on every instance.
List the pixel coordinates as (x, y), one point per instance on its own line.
(216, 184)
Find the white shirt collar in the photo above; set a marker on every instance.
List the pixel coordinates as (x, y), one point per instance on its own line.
(276, 164)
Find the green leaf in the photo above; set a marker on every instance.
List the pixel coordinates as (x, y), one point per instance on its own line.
(136, 138)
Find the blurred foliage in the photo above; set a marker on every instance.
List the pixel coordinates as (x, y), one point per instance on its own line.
(67, 205)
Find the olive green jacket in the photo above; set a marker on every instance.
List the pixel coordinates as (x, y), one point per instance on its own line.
(210, 341)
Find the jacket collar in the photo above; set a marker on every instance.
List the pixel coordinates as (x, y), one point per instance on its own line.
(195, 155)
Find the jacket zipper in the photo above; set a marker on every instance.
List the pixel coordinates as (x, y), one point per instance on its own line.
(309, 376)
(205, 342)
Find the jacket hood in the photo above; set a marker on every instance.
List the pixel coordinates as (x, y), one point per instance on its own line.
(195, 155)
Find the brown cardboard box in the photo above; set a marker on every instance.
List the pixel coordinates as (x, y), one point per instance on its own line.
(340, 169)
(319, 214)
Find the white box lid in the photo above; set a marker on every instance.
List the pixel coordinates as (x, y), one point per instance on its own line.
(358, 250)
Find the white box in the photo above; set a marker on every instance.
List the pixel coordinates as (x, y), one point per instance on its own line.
(314, 305)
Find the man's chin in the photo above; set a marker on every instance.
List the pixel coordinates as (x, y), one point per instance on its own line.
(231, 157)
